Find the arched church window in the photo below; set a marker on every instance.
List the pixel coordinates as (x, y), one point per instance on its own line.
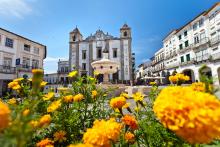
(74, 38)
(125, 34)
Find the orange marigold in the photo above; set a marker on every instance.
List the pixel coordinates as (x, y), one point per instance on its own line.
(78, 97)
(4, 115)
(117, 102)
(129, 137)
(80, 145)
(45, 143)
(192, 115)
(45, 120)
(59, 136)
(103, 133)
(130, 121)
(68, 98)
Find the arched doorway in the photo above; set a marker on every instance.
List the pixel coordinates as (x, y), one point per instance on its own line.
(190, 73)
(205, 71)
(100, 78)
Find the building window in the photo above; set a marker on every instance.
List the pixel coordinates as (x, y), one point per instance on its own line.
(201, 22)
(188, 57)
(0, 39)
(195, 27)
(125, 34)
(7, 62)
(182, 58)
(196, 39)
(83, 66)
(9, 42)
(36, 50)
(27, 47)
(74, 38)
(180, 37)
(84, 54)
(35, 64)
(66, 69)
(26, 62)
(99, 52)
(115, 53)
(185, 33)
(181, 46)
(186, 43)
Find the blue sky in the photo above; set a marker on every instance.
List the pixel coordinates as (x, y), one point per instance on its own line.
(50, 21)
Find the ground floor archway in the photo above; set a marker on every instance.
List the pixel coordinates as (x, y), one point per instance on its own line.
(190, 73)
(100, 78)
(206, 71)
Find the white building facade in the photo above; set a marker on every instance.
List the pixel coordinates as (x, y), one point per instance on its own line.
(82, 52)
(18, 56)
(194, 45)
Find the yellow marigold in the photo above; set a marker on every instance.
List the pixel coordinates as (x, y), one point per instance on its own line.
(78, 97)
(138, 96)
(173, 79)
(130, 121)
(126, 105)
(137, 109)
(12, 101)
(26, 112)
(129, 137)
(72, 74)
(18, 80)
(125, 95)
(45, 143)
(63, 89)
(4, 115)
(198, 86)
(80, 145)
(192, 115)
(94, 93)
(153, 83)
(59, 136)
(117, 102)
(68, 98)
(54, 106)
(103, 133)
(14, 85)
(45, 120)
(37, 71)
(48, 96)
(34, 123)
(179, 77)
(43, 83)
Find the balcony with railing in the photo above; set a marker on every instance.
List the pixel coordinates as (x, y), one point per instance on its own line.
(187, 62)
(215, 40)
(172, 65)
(201, 42)
(206, 57)
(188, 48)
(7, 69)
(215, 56)
(26, 68)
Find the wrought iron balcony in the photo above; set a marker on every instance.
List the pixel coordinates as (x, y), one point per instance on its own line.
(7, 69)
(188, 48)
(215, 40)
(187, 62)
(25, 68)
(172, 65)
(201, 42)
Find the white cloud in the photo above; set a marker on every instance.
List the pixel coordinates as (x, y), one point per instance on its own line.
(145, 60)
(51, 64)
(15, 8)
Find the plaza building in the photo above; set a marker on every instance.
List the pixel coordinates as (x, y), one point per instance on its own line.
(194, 45)
(18, 56)
(82, 52)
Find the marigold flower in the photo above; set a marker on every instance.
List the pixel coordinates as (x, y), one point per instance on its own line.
(18, 80)
(34, 123)
(179, 77)
(48, 96)
(14, 85)
(138, 96)
(72, 74)
(4, 115)
(68, 98)
(37, 71)
(129, 137)
(137, 109)
(126, 105)
(130, 121)
(192, 115)
(125, 95)
(45, 143)
(80, 145)
(26, 112)
(94, 93)
(12, 101)
(59, 136)
(117, 102)
(63, 89)
(54, 106)
(102, 133)
(78, 97)
(43, 83)
(153, 83)
(45, 120)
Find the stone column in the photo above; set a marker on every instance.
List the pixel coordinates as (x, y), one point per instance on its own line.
(105, 78)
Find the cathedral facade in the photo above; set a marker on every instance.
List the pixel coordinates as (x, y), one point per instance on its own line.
(82, 52)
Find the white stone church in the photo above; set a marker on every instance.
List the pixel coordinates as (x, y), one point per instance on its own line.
(82, 52)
